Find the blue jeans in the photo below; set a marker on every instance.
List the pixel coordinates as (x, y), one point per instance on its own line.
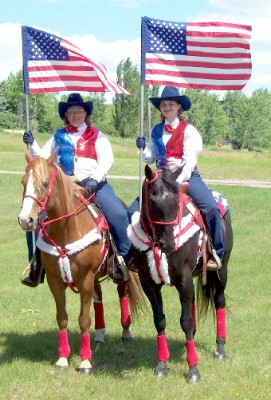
(116, 216)
(204, 200)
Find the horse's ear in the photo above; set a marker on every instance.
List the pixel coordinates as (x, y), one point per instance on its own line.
(177, 172)
(52, 158)
(148, 172)
(27, 155)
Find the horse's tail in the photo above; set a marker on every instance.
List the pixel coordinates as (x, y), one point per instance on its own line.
(137, 300)
(205, 295)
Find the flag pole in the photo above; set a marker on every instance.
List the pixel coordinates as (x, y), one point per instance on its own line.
(141, 151)
(27, 114)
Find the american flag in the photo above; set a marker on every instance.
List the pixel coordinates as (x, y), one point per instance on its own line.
(52, 64)
(198, 55)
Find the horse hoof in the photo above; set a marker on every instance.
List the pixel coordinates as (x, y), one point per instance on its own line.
(193, 375)
(98, 343)
(62, 363)
(127, 339)
(84, 371)
(220, 356)
(161, 369)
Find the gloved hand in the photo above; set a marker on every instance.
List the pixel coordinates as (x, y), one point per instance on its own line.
(28, 137)
(141, 142)
(174, 163)
(89, 184)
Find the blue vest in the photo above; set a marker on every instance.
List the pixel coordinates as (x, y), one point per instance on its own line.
(65, 150)
(160, 148)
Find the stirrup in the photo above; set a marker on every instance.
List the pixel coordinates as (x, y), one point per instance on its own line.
(214, 263)
(124, 270)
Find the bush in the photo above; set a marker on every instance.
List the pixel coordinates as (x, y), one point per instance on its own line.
(8, 120)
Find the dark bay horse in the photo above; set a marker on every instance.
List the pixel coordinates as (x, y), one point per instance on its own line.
(73, 244)
(169, 242)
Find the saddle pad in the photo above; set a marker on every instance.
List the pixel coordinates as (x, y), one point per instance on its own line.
(221, 201)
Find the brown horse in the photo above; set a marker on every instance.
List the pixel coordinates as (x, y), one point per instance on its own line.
(168, 237)
(74, 253)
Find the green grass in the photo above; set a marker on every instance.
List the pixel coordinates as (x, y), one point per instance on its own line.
(28, 334)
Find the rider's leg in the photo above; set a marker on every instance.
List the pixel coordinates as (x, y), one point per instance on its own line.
(133, 208)
(205, 201)
(117, 219)
(36, 272)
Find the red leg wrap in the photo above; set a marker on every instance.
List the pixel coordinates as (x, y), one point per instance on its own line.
(191, 354)
(125, 311)
(221, 323)
(163, 353)
(99, 315)
(63, 344)
(85, 351)
(193, 313)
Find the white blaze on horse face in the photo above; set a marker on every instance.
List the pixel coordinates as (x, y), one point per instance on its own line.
(164, 195)
(26, 220)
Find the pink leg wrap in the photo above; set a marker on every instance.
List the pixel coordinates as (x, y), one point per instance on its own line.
(63, 344)
(125, 311)
(99, 315)
(221, 323)
(85, 351)
(163, 353)
(191, 354)
(193, 313)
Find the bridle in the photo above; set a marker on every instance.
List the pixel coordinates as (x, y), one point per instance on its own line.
(42, 203)
(151, 221)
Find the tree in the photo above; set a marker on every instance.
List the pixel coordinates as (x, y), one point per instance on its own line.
(249, 118)
(207, 115)
(127, 108)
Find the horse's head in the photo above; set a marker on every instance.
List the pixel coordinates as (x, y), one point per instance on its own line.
(38, 182)
(160, 206)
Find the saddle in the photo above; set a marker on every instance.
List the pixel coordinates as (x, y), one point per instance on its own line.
(115, 264)
(207, 245)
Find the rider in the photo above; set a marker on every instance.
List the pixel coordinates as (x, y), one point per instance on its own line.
(86, 153)
(175, 143)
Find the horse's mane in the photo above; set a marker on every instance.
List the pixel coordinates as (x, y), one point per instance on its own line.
(42, 173)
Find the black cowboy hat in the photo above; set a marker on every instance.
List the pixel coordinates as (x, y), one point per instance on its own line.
(74, 99)
(171, 93)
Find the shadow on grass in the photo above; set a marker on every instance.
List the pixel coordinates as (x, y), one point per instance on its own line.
(114, 357)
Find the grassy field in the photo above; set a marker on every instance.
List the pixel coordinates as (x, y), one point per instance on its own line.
(28, 331)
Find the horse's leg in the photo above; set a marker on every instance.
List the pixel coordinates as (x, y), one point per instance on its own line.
(98, 314)
(86, 289)
(125, 318)
(153, 292)
(186, 293)
(58, 291)
(220, 307)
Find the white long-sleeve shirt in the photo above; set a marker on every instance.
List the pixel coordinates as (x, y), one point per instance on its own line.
(191, 148)
(83, 167)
